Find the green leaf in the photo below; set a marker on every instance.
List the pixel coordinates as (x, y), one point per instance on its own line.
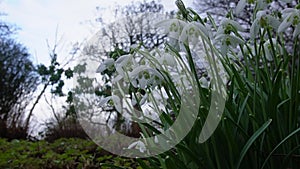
(69, 73)
(252, 140)
(143, 164)
(278, 145)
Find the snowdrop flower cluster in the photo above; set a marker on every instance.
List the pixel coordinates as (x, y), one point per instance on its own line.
(290, 17)
(267, 48)
(199, 39)
(143, 71)
(227, 35)
(262, 20)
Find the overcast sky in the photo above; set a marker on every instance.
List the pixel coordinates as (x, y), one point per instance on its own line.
(38, 21)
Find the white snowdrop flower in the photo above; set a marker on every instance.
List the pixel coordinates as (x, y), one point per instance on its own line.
(203, 29)
(287, 22)
(123, 59)
(204, 83)
(291, 16)
(116, 100)
(287, 11)
(273, 22)
(144, 76)
(167, 59)
(173, 27)
(142, 68)
(143, 82)
(240, 6)
(254, 29)
(228, 40)
(104, 101)
(296, 31)
(138, 145)
(189, 34)
(227, 22)
(105, 65)
(121, 63)
(269, 20)
(260, 14)
(267, 48)
(193, 33)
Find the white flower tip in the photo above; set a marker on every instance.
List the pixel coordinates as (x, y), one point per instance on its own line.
(106, 64)
(104, 100)
(240, 6)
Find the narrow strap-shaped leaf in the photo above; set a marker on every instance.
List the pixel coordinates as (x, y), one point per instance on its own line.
(278, 145)
(143, 164)
(252, 140)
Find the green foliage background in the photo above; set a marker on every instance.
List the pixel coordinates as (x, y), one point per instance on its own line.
(61, 154)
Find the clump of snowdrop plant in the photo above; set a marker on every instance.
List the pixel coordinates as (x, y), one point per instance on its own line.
(258, 126)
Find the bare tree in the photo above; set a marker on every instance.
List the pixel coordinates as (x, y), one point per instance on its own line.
(134, 25)
(220, 9)
(17, 83)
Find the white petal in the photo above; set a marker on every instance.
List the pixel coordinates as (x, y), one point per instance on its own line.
(286, 22)
(204, 82)
(141, 146)
(106, 64)
(220, 37)
(224, 49)
(234, 40)
(273, 22)
(203, 29)
(267, 51)
(260, 14)
(169, 59)
(117, 103)
(289, 10)
(117, 78)
(104, 101)
(220, 31)
(172, 26)
(101, 68)
(225, 22)
(296, 31)
(132, 145)
(144, 99)
(143, 82)
(123, 60)
(240, 6)
(254, 29)
(135, 72)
